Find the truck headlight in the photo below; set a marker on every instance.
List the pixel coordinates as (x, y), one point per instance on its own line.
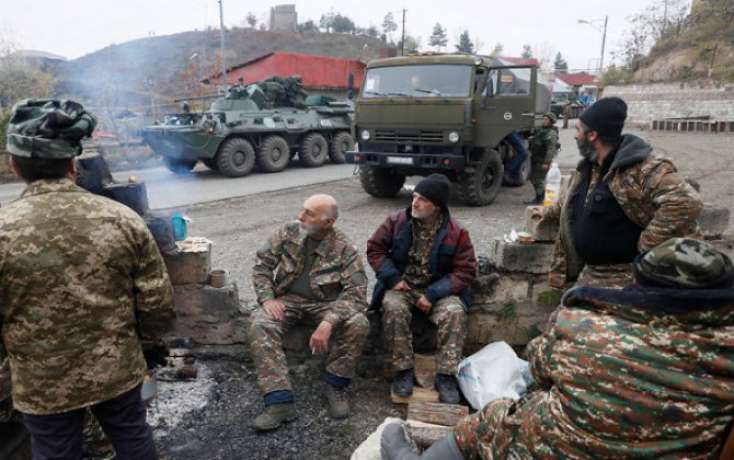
(365, 135)
(453, 137)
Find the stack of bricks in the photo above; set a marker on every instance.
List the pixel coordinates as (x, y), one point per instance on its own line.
(207, 309)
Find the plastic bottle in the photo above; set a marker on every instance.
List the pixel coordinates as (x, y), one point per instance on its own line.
(552, 185)
(178, 222)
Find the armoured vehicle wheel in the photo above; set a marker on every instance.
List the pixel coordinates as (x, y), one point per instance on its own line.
(274, 154)
(380, 183)
(314, 150)
(481, 186)
(179, 166)
(236, 158)
(341, 142)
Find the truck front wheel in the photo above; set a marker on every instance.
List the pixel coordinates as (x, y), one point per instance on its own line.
(380, 183)
(480, 185)
(179, 166)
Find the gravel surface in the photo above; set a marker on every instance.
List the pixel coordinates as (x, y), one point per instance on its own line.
(219, 430)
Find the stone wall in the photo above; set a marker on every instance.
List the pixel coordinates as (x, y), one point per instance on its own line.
(675, 100)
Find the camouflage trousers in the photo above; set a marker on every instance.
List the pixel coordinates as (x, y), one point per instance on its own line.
(606, 276)
(266, 341)
(447, 314)
(537, 177)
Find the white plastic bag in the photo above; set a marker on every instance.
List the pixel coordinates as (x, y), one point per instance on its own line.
(493, 372)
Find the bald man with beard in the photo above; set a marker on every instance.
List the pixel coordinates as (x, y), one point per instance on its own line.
(308, 272)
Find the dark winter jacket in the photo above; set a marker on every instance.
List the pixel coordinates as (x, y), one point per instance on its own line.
(453, 264)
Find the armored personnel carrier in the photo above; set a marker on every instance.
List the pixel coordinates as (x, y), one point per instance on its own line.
(265, 124)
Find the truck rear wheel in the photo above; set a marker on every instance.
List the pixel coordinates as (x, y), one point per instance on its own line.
(480, 186)
(179, 166)
(274, 154)
(314, 150)
(236, 158)
(380, 183)
(340, 144)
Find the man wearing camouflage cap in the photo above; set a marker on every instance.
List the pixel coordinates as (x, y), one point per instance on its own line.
(543, 148)
(82, 283)
(643, 372)
(622, 200)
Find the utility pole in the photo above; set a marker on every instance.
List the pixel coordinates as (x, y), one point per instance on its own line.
(221, 43)
(402, 40)
(603, 45)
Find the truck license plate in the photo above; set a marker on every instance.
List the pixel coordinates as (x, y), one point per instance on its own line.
(400, 160)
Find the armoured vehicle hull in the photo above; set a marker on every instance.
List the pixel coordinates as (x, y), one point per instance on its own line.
(452, 114)
(248, 128)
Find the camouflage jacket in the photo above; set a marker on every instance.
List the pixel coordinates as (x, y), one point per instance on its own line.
(81, 280)
(639, 373)
(651, 193)
(544, 145)
(337, 275)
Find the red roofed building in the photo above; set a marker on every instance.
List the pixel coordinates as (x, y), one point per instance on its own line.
(323, 74)
(577, 80)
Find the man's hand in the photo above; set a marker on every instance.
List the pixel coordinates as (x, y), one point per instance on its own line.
(401, 286)
(424, 304)
(319, 342)
(274, 308)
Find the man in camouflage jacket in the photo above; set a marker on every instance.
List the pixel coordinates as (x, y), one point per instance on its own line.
(646, 372)
(82, 283)
(543, 148)
(308, 271)
(621, 201)
(425, 264)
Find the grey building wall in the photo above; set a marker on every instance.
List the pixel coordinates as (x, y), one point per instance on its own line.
(283, 18)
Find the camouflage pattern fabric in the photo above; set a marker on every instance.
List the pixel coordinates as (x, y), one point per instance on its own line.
(642, 373)
(266, 341)
(543, 148)
(418, 270)
(337, 275)
(652, 194)
(82, 278)
(337, 280)
(615, 276)
(447, 314)
(96, 445)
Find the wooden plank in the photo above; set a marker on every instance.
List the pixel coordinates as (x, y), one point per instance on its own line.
(425, 434)
(437, 413)
(425, 370)
(419, 394)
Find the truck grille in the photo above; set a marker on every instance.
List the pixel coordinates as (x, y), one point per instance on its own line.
(430, 137)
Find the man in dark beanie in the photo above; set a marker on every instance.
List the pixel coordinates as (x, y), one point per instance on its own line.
(644, 372)
(425, 264)
(82, 284)
(622, 200)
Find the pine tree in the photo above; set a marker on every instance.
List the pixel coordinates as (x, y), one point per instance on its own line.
(389, 26)
(251, 19)
(560, 63)
(465, 44)
(438, 37)
(527, 52)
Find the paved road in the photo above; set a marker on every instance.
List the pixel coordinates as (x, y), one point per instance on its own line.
(166, 190)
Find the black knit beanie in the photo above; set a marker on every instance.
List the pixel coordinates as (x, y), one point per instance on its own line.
(436, 188)
(606, 116)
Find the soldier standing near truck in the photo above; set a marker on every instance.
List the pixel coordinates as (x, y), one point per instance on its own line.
(543, 148)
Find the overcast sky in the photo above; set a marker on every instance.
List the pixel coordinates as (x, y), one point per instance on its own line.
(73, 28)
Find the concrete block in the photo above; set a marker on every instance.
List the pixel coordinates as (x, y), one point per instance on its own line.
(525, 258)
(190, 262)
(208, 315)
(505, 290)
(542, 230)
(714, 221)
(516, 324)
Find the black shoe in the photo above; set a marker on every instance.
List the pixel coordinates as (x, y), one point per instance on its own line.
(448, 391)
(402, 383)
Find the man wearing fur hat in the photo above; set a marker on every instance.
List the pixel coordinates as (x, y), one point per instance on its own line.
(425, 264)
(621, 196)
(82, 283)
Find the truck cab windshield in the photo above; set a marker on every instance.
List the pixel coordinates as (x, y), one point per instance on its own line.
(420, 81)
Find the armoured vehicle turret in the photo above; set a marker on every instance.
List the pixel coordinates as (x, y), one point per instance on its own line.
(446, 113)
(265, 124)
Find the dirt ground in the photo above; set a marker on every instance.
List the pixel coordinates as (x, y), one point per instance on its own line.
(218, 428)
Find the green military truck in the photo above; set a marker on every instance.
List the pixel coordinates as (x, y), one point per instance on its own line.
(452, 113)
